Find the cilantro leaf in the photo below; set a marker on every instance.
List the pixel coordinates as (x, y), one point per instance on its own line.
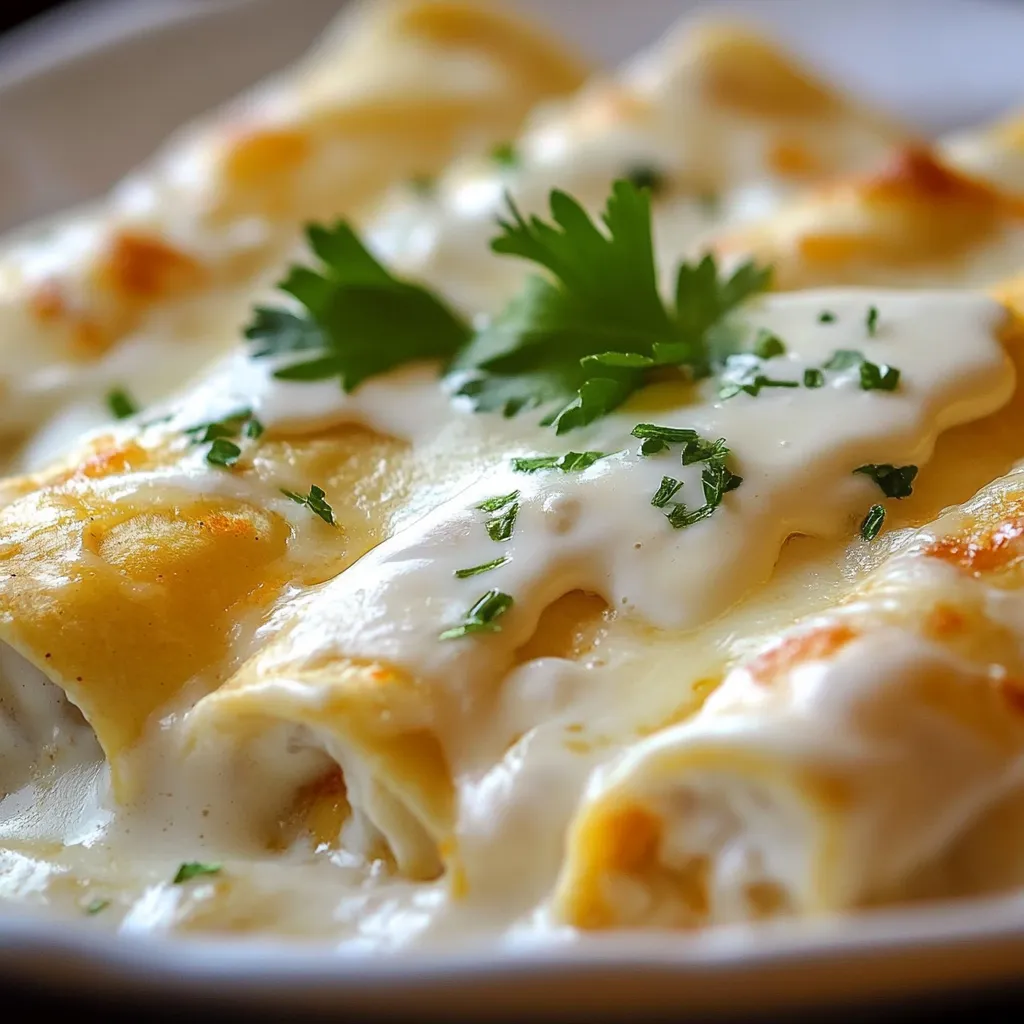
(357, 321)
(581, 341)
(314, 501)
(895, 481)
(480, 618)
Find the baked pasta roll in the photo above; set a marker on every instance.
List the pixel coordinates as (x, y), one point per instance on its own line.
(141, 287)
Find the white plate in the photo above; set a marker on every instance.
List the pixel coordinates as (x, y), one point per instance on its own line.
(82, 100)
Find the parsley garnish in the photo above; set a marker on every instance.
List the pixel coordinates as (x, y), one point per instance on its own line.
(646, 176)
(223, 453)
(121, 404)
(314, 501)
(872, 320)
(826, 317)
(716, 479)
(569, 463)
(583, 342)
(500, 527)
(873, 376)
(480, 618)
(504, 155)
(498, 503)
(895, 481)
(768, 345)
(358, 320)
(96, 906)
(879, 377)
(463, 574)
(844, 359)
(219, 433)
(813, 378)
(872, 522)
(742, 374)
(194, 868)
(666, 492)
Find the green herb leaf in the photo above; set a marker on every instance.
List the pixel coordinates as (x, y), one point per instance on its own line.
(895, 481)
(501, 526)
(585, 339)
(826, 317)
(768, 345)
(666, 492)
(96, 906)
(844, 359)
(569, 463)
(652, 446)
(193, 869)
(223, 453)
(872, 522)
(358, 320)
(666, 435)
(498, 503)
(813, 378)
(481, 617)
(463, 574)
(121, 404)
(314, 501)
(872, 320)
(703, 450)
(879, 377)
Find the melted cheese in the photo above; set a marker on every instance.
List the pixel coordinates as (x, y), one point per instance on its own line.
(729, 126)
(106, 298)
(721, 718)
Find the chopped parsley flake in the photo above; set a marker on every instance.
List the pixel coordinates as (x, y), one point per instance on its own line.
(826, 317)
(463, 574)
(872, 320)
(879, 377)
(581, 341)
(314, 501)
(716, 478)
(568, 463)
(768, 345)
(653, 445)
(872, 522)
(193, 869)
(481, 617)
(121, 404)
(498, 503)
(357, 320)
(844, 359)
(667, 435)
(221, 435)
(500, 527)
(97, 906)
(813, 378)
(223, 453)
(504, 155)
(895, 481)
(666, 492)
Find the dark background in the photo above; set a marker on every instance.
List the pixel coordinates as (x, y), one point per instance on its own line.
(985, 1006)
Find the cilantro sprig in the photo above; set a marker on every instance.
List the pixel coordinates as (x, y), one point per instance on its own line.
(581, 341)
(357, 320)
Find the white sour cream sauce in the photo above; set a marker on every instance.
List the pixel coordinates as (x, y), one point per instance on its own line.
(596, 530)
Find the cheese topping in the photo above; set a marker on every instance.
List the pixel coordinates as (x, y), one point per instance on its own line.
(351, 653)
